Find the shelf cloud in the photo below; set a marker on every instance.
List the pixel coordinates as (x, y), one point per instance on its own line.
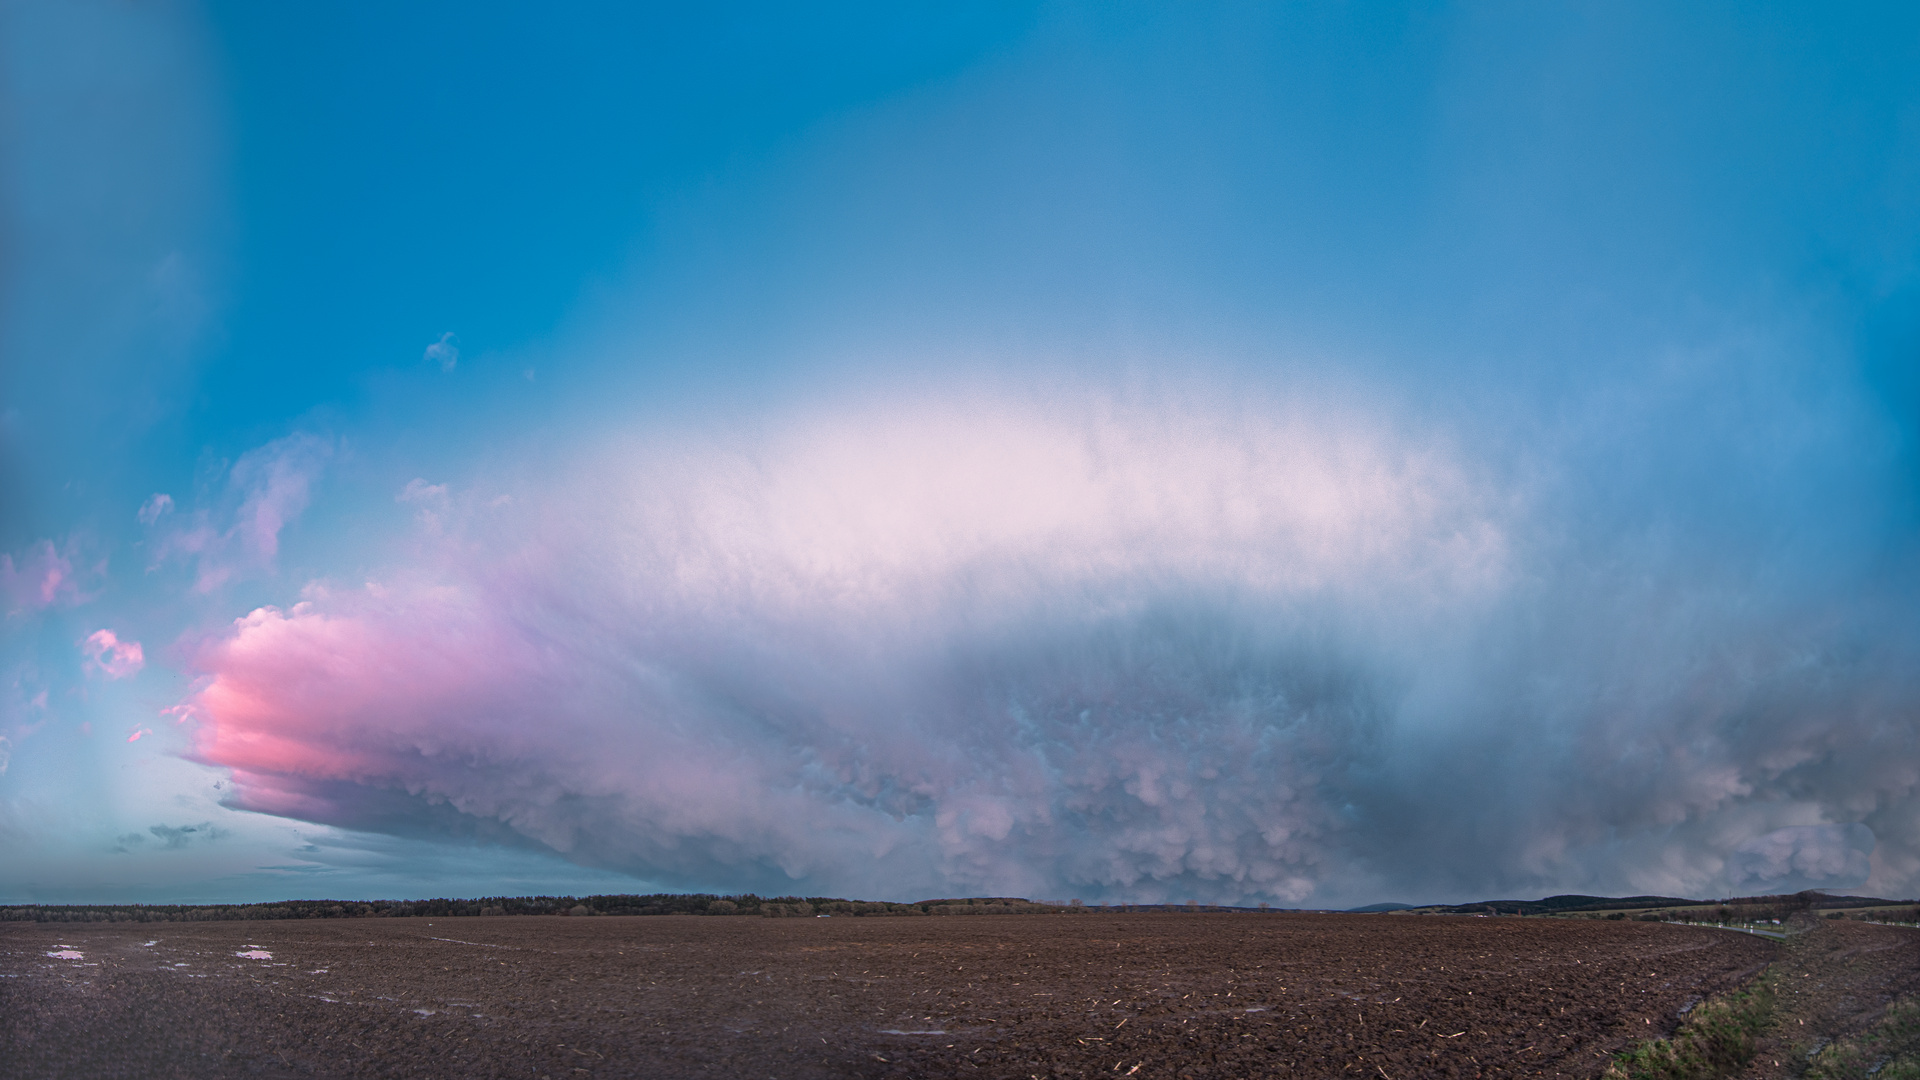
(1150, 650)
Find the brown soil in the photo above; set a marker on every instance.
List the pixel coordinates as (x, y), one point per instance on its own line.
(1141, 996)
(1834, 981)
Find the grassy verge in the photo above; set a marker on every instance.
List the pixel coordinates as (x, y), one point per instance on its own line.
(1717, 1039)
(1890, 1050)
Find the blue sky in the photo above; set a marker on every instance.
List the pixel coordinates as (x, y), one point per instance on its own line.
(1312, 454)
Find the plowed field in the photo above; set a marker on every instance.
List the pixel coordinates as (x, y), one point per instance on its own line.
(1135, 995)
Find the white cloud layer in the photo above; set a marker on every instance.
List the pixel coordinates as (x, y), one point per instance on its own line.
(1146, 650)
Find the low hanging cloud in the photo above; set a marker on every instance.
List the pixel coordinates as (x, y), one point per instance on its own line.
(171, 837)
(179, 836)
(1134, 651)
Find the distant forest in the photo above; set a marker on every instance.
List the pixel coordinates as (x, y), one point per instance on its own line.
(650, 904)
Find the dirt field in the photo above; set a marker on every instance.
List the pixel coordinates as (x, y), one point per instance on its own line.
(1834, 982)
(1141, 996)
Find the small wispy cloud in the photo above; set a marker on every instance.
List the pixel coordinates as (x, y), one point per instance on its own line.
(179, 836)
(273, 484)
(419, 491)
(154, 508)
(431, 500)
(42, 577)
(110, 656)
(445, 352)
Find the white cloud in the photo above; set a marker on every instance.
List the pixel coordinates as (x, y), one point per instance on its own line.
(419, 491)
(152, 510)
(1149, 649)
(907, 649)
(445, 352)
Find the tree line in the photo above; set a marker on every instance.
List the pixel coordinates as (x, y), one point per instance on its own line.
(746, 904)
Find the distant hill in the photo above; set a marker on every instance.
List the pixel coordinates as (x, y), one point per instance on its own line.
(797, 906)
(1575, 902)
(1554, 905)
(1827, 902)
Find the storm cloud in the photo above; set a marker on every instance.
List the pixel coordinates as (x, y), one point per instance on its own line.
(1262, 648)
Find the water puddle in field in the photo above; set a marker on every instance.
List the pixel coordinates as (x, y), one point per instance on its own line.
(149, 944)
(254, 954)
(1258, 1008)
(67, 952)
(423, 1012)
(897, 1031)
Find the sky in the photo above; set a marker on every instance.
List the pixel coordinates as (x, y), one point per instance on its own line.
(1310, 454)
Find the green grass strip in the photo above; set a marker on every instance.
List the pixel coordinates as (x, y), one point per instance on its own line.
(1890, 1050)
(1717, 1039)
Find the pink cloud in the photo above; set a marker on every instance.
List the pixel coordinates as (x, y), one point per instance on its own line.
(138, 733)
(40, 579)
(110, 656)
(423, 692)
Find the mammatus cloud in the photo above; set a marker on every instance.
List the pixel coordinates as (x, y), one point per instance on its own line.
(1133, 651)
(272, 484)
(1820, 854)
(445, 352)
